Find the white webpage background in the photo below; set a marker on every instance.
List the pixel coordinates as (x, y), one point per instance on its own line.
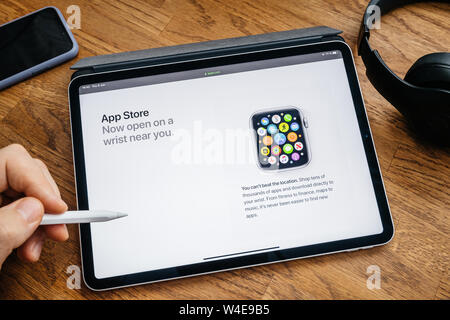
(181, 214)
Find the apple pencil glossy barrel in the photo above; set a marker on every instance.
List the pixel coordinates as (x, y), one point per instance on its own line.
(82, 216)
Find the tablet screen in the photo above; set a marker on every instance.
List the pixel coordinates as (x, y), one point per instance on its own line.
(223, 162)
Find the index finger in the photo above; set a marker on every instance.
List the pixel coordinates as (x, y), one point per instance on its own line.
(19, 171)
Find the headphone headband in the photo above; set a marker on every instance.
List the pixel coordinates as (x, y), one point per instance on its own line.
(412, 101)
(385, 6)
(388, 5)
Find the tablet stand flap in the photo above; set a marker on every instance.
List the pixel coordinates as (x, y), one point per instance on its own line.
(202, 50)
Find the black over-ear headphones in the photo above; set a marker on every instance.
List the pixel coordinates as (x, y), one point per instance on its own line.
(423, 97)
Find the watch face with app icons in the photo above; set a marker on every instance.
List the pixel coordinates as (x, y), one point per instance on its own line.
(281, 138)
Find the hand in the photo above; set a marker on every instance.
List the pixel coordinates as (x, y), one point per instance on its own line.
(26, 190)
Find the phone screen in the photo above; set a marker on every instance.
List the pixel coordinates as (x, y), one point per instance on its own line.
(32, 40)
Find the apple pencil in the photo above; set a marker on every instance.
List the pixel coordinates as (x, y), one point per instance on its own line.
(82, 216)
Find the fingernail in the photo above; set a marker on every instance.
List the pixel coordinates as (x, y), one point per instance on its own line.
(56, 200)
(61, 202)
(36, 249)
(30, 209)
(65, 205)
(67, 232)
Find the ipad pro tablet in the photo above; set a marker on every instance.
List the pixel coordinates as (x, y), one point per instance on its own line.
(223, 163)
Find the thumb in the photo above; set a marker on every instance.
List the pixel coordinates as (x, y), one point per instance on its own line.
(18, 221)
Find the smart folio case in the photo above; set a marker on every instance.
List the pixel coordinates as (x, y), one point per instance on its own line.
(202, 50)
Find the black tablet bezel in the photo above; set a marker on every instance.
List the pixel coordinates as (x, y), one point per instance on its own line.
(240, 261)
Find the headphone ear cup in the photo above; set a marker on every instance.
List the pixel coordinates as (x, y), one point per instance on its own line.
(431, 71)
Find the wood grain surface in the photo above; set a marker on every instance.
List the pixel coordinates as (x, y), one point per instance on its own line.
(413, 266)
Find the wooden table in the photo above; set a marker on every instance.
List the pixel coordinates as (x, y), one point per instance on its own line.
(414, 265)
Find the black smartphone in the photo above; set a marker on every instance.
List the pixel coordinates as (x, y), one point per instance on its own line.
(34, 43)
(281, 138)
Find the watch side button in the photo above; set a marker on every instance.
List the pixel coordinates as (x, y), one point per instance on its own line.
(305, 123)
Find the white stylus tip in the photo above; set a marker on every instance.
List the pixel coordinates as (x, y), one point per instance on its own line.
(121, 215)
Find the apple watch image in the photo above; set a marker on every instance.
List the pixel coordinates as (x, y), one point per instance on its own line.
(281, 138)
